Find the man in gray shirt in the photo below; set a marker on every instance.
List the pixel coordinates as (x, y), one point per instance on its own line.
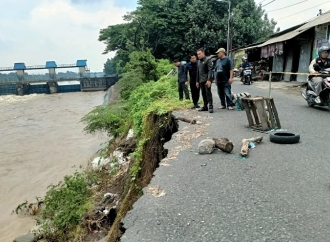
(224, 78)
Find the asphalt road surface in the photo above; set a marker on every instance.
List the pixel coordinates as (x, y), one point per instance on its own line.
(278, 193)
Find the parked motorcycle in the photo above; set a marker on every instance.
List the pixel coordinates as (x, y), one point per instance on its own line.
(310, 94)
(247, 76)
(236, 72)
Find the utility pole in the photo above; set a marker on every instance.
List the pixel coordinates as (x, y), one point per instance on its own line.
(228, 37)
(231, 35)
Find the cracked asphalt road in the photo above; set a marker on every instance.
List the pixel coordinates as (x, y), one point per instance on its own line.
(279, 193)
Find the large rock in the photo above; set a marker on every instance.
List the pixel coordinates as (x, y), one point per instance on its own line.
(25, 238)
(206, 146)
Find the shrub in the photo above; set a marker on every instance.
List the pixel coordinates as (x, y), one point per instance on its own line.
(65, 204)
(142, 62)
(111, 119)
(163, 67)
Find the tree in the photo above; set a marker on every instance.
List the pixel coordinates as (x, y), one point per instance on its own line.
(175, 28)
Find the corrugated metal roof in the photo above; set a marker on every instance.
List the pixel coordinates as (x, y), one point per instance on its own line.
(322, 19)
(281, 38)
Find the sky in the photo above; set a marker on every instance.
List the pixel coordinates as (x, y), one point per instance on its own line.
(301, 12)
(36, 31)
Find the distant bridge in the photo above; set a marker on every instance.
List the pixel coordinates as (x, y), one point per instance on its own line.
(53, 85)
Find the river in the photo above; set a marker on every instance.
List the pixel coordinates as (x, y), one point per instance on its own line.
(41, 141)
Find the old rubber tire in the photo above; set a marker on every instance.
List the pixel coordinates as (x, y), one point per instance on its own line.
(284, 138)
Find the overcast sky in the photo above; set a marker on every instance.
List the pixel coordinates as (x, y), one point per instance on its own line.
(35, 31)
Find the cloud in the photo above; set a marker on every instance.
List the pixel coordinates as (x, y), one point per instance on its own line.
(85, 1)
(59, 31)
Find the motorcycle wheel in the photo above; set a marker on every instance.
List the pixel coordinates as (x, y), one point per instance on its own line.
(248, 81)
(312, 105)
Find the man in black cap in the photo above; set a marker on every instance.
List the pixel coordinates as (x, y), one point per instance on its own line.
(192, 71)
(204, 80)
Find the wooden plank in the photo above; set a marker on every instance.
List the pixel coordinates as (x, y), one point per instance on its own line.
(255, 114)
(275, 114)
(262, 114)
(271, 114)
(248, 112)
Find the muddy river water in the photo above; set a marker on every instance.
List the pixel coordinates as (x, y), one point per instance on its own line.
(41, 141)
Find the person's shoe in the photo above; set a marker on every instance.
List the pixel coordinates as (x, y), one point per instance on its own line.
(197, 106)
(203, 109)
(210, 110)
(193, 107)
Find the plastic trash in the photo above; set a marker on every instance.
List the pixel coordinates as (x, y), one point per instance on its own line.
(252, 145)
(108, 195)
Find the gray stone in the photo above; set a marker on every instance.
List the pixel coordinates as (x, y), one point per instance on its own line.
(206, 146)
(25, 238)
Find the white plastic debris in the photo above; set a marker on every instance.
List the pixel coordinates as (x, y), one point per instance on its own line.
(98, 162)
(130, 134)
(109, 195)
(105, 211)
(120, 156)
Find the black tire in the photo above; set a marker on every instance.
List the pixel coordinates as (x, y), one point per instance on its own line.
(284, 138)
(249, 80)
(310, 104)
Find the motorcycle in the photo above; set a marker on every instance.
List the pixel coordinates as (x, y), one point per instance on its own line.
(236, 72)
(247, 76)
(310, 94)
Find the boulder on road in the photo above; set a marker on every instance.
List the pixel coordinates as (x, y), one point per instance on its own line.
(25, 238)
(206, 146)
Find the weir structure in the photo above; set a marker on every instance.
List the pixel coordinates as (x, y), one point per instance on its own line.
(52, 84)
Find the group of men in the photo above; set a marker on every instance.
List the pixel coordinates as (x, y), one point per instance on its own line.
(202, 73)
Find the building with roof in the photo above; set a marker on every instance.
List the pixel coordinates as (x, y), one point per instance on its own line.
(293, 49)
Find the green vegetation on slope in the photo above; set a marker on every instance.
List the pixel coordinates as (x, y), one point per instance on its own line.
(146, 107)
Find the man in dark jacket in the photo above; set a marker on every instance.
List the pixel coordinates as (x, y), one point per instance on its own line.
(182, 79)
(204, 80)
(192, 71)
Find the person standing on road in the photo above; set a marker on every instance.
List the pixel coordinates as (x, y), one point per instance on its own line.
(224, 78)
(204, 80)
(192, 71)
(182, 79)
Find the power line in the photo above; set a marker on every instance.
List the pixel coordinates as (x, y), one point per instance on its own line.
(268, 3)
(261, 1)
(287, 6)
(303, 10)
